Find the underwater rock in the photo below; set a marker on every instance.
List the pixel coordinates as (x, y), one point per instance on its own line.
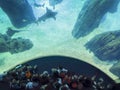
(14, 45)
(19, 45)
(105, 46)
(3, 43)
(19, 12)
(91, 15)
(115, 69)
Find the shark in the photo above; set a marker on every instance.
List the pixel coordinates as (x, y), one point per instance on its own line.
(49, 14)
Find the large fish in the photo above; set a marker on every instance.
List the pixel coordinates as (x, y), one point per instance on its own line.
(49, 14)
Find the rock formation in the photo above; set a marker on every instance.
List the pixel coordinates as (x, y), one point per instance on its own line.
(91, 16)
(106, 46)
(19, 12)
(14, 45)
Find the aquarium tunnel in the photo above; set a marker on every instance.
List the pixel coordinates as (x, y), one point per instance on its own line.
(80, 35)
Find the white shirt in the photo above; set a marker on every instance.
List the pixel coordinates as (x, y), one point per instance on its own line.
(29, 85)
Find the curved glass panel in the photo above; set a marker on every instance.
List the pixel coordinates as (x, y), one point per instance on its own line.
(87, 30)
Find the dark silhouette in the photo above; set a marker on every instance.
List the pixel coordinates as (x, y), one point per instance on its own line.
(91, 15)
(49, 14)
(10, 32)
(13, 45)
(39, 5)
(34, 75)
(19, 12)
